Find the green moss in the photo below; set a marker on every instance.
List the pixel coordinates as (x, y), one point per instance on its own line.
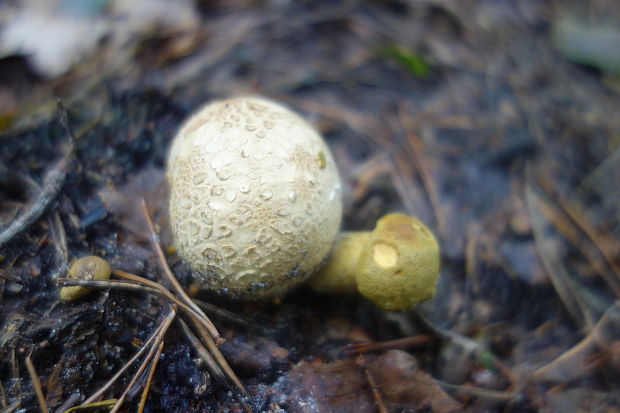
(414, 63)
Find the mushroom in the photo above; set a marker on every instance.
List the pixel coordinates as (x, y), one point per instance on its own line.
(255, 197)
(396, 265)
(86, 268)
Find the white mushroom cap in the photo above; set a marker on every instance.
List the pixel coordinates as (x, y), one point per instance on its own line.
(255, 199)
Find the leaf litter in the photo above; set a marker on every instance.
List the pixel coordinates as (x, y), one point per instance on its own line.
(499, 138)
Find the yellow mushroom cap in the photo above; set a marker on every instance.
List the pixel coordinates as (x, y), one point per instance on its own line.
(86, 268)
(255, 197)
(400, 267)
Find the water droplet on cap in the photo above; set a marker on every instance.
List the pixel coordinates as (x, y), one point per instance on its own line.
(223, 174)
(266, 194)
(216, 205)
(186, 203)
(231, 195)
(217, 190)
(244, 187)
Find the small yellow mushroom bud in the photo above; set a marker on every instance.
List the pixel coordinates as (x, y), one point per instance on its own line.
(85, 268)
(396, 265)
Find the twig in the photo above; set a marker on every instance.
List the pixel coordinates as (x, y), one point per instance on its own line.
(376, 394)
(36, 383)
(11, 408)
(120, 285)
(233, 380)
(15, 373)
(574, 363)
(582, 308)
(57, 230)
(211, 340)
(155, 348)
(462, 341)
(162, 327)
(135, 283)
(162, 290)
(197, 320)
(214, 367)
(154, 241)
(592, 233)
(488, 394)
(358, 348)
(227, 315)
(108, 403)
(149, 378)
(202, 351)
(416, 150)
(566, 217)
(465, 343)
(66, 405)
(3, 399)
(472, 242)
(52, 184)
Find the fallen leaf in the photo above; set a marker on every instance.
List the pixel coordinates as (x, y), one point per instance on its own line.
(343, 386)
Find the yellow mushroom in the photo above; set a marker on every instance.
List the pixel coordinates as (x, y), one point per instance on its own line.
(85, 268)
(396, 265)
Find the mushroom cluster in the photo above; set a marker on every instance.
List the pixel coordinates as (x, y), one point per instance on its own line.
(255, 197)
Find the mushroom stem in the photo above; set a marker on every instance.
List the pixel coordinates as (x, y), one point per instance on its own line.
(337, 276)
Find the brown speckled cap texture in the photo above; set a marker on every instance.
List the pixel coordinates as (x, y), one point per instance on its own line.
(255, 198)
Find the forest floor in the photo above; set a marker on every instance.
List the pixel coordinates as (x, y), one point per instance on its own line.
(497, 123)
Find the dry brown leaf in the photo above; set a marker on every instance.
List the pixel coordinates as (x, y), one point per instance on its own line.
(343, 386)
